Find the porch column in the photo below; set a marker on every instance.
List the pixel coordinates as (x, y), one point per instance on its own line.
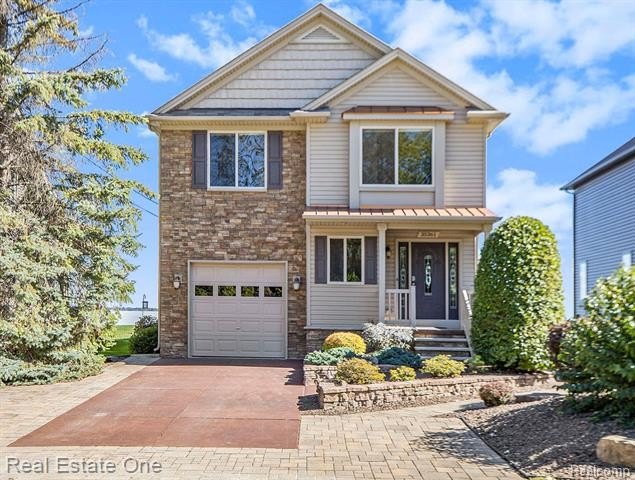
(381, 266)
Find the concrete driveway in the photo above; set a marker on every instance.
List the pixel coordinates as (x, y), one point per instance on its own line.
(188, 403)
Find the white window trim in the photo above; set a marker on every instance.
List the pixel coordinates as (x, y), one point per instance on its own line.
(582, 277)
(627, 261)
(396, 185)
(235, 188)
(328, 259)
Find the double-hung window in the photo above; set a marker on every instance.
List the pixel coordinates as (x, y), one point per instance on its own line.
(396, 156)
(237, 160)
(345, 260)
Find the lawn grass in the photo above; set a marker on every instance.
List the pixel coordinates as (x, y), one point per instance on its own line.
(122, 345)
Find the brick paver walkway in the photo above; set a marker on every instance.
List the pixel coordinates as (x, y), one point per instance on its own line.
(413, 443)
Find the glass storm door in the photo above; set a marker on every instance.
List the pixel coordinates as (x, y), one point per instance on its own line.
(428, 267)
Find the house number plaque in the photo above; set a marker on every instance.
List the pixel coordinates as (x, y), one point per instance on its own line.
(427, 234)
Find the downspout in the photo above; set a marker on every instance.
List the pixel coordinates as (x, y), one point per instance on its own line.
(575, 261)
(157, 348)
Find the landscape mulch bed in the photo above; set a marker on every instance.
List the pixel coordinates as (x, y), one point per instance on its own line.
(540, 439)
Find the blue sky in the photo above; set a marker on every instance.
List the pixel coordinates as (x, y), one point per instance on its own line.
(564, 70)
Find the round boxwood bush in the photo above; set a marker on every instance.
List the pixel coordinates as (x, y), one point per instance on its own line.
(517, 295)
(443, 366)
(402, 374)
(597, 354)
(330, 357)
(345, 339)
(358, 371)
(145, 335)
(398, 356)
(496, 393)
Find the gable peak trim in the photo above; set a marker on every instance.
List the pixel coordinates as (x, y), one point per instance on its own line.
(321, 34)
(282, 35)
(398, 54)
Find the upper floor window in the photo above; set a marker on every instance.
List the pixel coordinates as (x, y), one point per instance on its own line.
(397, 156)
(237, 160)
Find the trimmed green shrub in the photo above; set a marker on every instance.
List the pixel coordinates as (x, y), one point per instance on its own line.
(443, 366)
(475, 364)
(518, 295)
(496, 393)
(402, 374)
(68, 367)
(144, 337)
(598, 353)
(330, 357)
(345, 339)
(398, 356)
(379, 336)
(358, 371)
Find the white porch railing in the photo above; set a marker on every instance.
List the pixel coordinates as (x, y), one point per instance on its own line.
(401, 306)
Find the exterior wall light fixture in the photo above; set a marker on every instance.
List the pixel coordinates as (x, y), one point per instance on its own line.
(177, 280)
(297, 281)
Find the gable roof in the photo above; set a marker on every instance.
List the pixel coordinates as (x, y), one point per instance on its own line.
(442, 83)
(279, 36)
(613, 159)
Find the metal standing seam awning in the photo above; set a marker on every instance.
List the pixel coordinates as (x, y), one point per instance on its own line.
(462, 214)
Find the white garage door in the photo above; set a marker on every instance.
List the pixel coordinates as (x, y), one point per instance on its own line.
(238, 310)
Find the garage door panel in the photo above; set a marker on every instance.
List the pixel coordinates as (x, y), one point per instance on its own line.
(249, 326)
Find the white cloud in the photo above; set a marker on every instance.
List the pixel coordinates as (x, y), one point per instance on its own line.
(570, 42)
(517, 192)
(350, 12)
(243, 13)
(144, 132)
(218, 46)
(151, 70)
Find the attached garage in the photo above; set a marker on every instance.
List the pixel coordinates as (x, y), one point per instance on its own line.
(238, 309)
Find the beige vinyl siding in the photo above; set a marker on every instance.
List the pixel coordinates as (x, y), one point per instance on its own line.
(464, 164)
(290, 77)
(339, 305)
(329, 142)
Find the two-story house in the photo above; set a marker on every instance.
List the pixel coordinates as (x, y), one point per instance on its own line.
(603, 222)
(318, 181)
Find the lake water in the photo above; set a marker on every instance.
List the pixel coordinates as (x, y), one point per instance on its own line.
(129, 317)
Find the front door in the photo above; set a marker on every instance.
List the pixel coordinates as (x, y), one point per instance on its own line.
(428, 268)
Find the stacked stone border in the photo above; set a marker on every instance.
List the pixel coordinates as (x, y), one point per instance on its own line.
(428, 391)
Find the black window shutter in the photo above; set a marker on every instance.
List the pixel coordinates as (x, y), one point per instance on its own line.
(199, 159)
(320, 259)
(274, 160)
(370, 260)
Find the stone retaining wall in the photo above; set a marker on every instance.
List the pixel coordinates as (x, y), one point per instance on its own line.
(316, 374)
(428, 391)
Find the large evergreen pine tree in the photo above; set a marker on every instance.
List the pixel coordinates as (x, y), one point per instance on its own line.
(65, 231)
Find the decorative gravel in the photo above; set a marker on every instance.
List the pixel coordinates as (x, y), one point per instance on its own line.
(541, 440)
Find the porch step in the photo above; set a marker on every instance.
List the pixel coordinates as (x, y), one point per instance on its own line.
(430, 342)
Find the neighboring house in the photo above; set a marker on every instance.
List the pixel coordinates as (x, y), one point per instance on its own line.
(603, 221)
(318, 181)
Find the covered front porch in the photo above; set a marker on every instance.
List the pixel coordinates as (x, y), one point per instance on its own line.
(424, 259)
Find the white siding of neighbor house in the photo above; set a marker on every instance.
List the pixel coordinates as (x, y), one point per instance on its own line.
(292, 76)
(604, 230)
(464, 179)
(340, 305)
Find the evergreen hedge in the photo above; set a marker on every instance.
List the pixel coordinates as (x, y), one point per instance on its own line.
(597, 353)
(518, 295)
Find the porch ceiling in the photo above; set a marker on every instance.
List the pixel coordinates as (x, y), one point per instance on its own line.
(461, 214)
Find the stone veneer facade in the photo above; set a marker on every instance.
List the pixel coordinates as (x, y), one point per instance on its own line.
(197, 224)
